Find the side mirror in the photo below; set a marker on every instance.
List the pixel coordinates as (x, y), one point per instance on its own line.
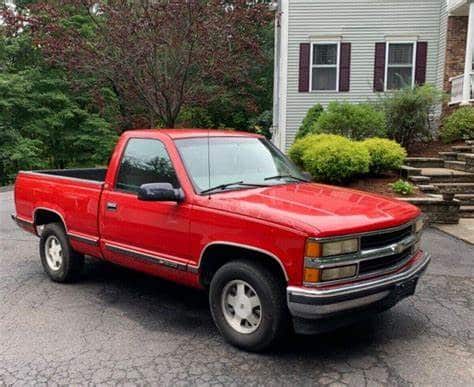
(160, 192)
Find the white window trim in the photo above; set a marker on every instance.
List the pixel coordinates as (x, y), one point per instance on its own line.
(413, 65)
(311, 65)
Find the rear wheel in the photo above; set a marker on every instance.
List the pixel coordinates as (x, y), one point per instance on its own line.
(60, 261)
(248, 305)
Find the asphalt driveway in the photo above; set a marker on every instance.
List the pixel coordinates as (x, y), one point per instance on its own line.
(117, 326)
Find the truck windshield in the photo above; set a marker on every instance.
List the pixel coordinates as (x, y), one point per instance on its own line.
(235, 163)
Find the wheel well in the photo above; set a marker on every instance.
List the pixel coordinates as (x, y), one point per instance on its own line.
(47, 216)
(218, 255)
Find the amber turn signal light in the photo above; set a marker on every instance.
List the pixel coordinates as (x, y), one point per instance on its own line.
(311, 275)
(313, 249)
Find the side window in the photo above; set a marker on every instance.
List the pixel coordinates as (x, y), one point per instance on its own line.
(145, 161)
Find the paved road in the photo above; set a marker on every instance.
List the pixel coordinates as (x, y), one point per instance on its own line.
(117, 326)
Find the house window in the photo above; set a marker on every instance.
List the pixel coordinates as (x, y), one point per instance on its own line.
(400, 65)
(324, 66)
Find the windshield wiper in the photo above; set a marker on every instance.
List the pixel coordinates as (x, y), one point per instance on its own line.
(279, 177)
(227, 185)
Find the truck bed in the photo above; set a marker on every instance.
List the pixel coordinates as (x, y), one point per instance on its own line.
(72, 194)
(95, 174)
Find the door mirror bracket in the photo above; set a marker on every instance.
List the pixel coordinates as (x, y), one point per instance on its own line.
(160, 192)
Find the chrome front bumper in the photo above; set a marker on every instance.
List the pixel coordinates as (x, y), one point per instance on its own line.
(313, 304)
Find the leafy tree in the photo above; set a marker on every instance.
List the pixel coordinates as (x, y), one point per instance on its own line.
(17, 152)
(43, 123)
(161, 55)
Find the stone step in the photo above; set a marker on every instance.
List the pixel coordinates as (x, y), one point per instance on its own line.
(464, 156)
(424, 162)
(449, 155)
(408, 171)
(445, 175)
(456, 188)
(419, 179)
(457, 165)
(465, 199)
(469, 142)
(468, 158)
(427, 188)
(466, 212)
(462, 148)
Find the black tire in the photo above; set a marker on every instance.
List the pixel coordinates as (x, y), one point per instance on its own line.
(274, 322)
(71, 263)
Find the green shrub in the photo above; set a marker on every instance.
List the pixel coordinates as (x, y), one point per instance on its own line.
(459, 125)
(335, 159)
(299, 147)
(308, 122)
(385, 154)
(402, 187)
(356, 121)
(408, 113)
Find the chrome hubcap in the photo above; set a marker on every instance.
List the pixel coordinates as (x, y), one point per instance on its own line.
(53, 252)
(241, 306)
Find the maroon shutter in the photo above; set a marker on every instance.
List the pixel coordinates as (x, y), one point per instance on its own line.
(303, 85)
(420, 69)
(345, 67)
(379, 68)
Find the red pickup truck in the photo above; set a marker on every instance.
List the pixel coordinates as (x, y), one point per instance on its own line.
(228, 212)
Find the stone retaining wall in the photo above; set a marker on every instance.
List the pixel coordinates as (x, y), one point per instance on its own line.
(437, 210)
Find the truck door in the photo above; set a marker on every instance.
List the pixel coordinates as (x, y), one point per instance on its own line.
(148, 236)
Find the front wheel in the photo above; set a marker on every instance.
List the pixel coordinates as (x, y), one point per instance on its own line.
(248, 305)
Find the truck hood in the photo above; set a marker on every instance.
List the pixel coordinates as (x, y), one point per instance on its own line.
(317, 209)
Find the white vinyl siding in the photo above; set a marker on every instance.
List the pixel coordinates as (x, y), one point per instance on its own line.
(361, 23)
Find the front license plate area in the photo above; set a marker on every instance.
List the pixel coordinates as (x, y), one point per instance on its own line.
(406, 289)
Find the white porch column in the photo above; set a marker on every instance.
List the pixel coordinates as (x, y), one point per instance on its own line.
(466, 92)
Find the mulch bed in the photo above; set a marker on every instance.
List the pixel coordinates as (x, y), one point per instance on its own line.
(431, 148)
(381, 185)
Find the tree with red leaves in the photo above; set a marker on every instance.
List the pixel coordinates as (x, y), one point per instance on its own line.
(160, 55)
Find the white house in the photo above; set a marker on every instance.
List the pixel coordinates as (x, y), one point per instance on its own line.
(355, 50)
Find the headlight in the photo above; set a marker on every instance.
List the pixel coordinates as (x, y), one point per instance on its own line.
(337, 273)
(316, 249)
(313, 275)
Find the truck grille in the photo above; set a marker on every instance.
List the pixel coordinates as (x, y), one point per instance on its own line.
(380, 253)
(377, 264)
(384, 239)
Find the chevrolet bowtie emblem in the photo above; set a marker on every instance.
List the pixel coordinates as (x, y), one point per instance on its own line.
(397, 249)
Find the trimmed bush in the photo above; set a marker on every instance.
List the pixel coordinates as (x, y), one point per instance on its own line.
(334, 159)
(300, 146)
(385, 154)
(459, 125)
(356, 121)
(308, 122)
(408, 113)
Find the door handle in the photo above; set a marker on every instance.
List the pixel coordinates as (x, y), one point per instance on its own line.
(112, 206)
